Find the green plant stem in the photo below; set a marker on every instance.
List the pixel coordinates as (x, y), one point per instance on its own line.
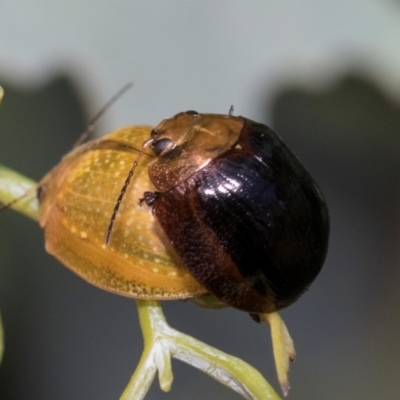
(161, 342)
(13, 186)
(1, 324)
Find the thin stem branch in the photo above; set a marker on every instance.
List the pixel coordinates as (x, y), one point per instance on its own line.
(14, 186)
(162, 342)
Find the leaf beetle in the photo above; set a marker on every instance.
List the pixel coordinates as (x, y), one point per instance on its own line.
(229, 202)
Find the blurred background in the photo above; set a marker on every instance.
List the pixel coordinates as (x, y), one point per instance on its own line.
(324, 75)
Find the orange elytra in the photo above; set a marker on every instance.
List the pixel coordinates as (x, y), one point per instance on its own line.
(77, 199)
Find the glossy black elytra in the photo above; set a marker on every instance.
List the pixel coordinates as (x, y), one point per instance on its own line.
(239, 208)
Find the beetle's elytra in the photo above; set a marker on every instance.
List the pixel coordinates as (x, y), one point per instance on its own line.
(229, 200)
(77, 198)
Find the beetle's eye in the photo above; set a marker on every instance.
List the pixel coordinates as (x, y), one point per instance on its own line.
(153, 133)
(192, 112)
(160, 145)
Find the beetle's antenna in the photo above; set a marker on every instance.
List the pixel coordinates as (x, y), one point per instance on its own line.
(123, 190)
(231, 110)
(106, 106)
(6, 206)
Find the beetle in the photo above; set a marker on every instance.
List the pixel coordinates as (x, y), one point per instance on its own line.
(228, 205)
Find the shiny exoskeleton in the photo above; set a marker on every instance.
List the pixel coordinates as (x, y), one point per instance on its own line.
(238, 207)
